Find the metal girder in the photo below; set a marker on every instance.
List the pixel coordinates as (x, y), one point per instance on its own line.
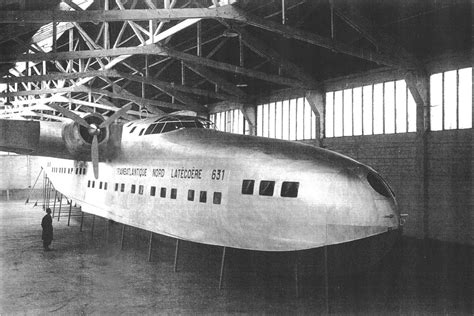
(267, 52)
(381, 41)
(240, 15)
(95, 16)
(156, 49)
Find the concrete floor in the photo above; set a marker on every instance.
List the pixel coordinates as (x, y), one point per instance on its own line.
(89, 274)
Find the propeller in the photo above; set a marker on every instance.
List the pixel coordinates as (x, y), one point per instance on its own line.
(92, 129)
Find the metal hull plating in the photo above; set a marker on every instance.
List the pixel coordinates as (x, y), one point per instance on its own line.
(335, 203)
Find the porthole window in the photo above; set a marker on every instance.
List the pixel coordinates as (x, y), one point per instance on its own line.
(88, 183)
(93, 184)
(190, 195)
(266, 188)
(141, 188)
(247, 186)
(100, 185)
(289, 189)
(152, 191)
(217, 198)
(163, 192)
(105, 185)
(132, 190)
(174, 193)
(122, 187)
(203, 196)
(116, 186)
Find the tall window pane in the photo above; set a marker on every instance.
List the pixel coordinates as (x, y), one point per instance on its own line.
(348, 112)
(271, 118)
(450, 104)
(436, 101)
(411, 112)
(278, 127)
(389, 103)
(378, 108)
(307, 119)
(265, 119)
(260, 120)
(300, 118)
(401, 106)
(357, 114)
(286, 119)
(465, 98)
(338, 113)
(367, 109)
(293, 119)
(329, 114)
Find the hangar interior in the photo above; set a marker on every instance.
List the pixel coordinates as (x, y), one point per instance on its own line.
(388, 83)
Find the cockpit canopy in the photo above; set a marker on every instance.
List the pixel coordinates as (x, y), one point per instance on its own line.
(169, 123)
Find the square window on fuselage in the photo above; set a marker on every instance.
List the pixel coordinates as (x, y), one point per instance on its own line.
(174, 193)
(203, 196)
(190, 195)
(266, 188)
(247, 187)
(163, 192)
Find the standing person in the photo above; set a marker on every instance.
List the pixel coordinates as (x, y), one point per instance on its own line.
(47, 224)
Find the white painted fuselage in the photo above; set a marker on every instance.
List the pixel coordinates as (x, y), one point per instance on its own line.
(335, 202)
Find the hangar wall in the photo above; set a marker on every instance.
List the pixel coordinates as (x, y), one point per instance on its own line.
(447, 215)
(17, 174)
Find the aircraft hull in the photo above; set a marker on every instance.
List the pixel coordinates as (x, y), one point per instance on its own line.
(335, 205)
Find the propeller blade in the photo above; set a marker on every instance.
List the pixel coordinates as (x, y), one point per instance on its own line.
(69, 114)
(95, 156)
(115, 116)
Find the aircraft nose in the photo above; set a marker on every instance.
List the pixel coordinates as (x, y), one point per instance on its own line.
(385, 201)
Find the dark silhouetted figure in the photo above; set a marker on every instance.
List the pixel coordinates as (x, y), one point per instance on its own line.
(47, 224)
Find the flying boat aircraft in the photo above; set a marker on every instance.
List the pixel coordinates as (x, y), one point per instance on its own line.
(176, 175)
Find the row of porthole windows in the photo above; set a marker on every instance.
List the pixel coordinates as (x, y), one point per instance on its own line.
(140, 189)
(69, 170)
(266, 188)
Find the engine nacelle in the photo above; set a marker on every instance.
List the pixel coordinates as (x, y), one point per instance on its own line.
(78, 139)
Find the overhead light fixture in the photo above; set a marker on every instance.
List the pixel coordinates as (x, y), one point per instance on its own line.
(230, 33)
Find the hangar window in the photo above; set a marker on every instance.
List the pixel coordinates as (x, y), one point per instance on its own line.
(451, 99)
(217, 198)
(152, 191)
(266, 188)
(141, 188)
(190, 195)
(163, 192)
(203, 196)
(247, 186)
(381, 108)
(132, 189)
(174, 193)
(122, 187)
(291, 119)
(289, 189)
(231, 121)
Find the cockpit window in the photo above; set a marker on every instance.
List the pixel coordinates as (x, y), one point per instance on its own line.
(379, 185)
(173, 122)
